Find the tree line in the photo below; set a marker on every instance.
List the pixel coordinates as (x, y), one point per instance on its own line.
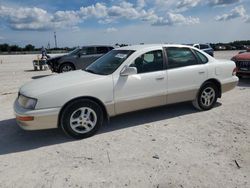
(15, 48)
(28, 48)
(31, 48)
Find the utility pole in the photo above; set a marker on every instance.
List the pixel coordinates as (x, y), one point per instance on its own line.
(55, 39)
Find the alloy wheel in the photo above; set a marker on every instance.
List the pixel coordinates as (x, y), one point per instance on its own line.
(83, 120)
(208, 96)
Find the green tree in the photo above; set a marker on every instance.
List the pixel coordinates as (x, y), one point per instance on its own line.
(29, 47)
(15, 48)
(4, 47)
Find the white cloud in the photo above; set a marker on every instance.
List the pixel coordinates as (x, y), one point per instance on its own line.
(98, 10)
(222, 2)
(2, 38)
(176, 6)
(65, 18)
(111, 30)
(141, 4)
(237, 12)
(26, 18)
(124, 10)
(165, 3)
(187, 3)
(176, 19)
(37, 19)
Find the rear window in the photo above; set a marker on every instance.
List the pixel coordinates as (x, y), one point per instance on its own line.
(204, 46)
(202, 57)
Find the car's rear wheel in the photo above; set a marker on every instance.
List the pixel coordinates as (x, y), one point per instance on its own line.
(207, 97)
(81, 118)
(66, 67)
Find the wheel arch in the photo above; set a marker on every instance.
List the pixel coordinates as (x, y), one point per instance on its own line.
(94, 99)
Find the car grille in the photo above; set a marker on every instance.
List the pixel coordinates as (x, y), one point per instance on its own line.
(243, 65)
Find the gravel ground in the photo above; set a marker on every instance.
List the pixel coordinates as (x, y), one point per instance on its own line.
(166, 147)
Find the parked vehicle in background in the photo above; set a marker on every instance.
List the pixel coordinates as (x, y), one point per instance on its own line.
(124, 80)
(247, 50)
(205, 47)
(229, 47)
(79, 58)
(219, 47)
(242, 62)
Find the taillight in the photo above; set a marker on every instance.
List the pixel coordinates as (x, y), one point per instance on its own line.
(234, 71)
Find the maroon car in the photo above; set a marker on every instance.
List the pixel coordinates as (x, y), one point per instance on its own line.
(242, 62)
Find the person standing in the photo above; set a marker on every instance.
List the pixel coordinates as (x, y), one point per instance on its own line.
(44, 53)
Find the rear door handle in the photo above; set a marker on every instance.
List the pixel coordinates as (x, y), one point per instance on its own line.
(201, 72)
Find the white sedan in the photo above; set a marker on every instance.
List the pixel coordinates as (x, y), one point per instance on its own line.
(124, 80)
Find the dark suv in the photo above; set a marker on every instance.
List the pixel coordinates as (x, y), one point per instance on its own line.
(79, 58)
(206, 48)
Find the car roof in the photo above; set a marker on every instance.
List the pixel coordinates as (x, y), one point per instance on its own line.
(145, 46)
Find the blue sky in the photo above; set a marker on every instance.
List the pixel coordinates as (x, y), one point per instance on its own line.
(80, 22)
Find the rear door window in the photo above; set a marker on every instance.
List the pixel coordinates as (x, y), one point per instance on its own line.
(88, 51)
(180, 57)
(102, 50)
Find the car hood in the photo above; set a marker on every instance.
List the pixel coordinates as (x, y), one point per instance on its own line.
(57, 57)
(243, 56)
(52, 83)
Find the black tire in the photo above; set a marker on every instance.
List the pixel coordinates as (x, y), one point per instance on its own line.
(66, 67)
(199, 102)
(72, 109)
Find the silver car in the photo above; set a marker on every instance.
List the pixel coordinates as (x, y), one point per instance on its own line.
(79, 58)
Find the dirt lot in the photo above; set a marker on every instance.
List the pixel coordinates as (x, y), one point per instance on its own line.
(172, 146)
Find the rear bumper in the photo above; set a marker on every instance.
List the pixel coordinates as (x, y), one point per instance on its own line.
(229, 84)
(40, 119)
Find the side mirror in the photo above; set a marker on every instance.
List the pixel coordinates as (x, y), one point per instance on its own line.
(126, 71)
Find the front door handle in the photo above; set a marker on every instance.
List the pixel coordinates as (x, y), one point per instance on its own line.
(201, 72)
(160, 78)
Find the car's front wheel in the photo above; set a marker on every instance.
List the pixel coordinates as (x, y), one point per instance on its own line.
(207, 97)
(81, 118)
(66, 67)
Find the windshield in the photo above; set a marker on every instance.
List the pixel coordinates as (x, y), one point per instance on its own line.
(75, 51)
(108, 63)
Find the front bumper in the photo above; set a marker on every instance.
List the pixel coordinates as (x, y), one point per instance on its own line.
(53, 65)
(41, 119)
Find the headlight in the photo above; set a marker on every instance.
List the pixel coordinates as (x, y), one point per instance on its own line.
(26, 102)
